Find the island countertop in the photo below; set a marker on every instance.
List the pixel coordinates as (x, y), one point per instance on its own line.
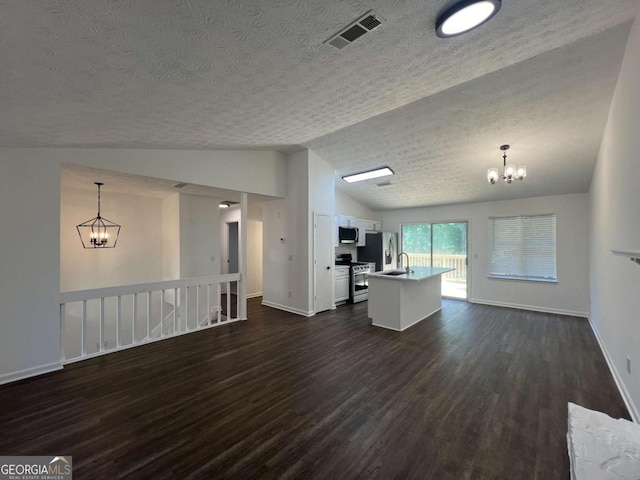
(419, 273)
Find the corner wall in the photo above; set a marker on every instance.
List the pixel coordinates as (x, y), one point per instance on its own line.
(286, 242)
(569, 296)
(615, 224)
(30, 266)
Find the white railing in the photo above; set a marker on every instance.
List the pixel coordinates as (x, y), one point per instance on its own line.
(458, 262)
(104, 320)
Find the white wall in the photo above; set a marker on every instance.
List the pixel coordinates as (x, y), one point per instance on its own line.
(30, 184)
(345, 205)
(254, 244)
(171, 237)
(29, 266)
(322, 199)
(199, 236)
(570, 295)
(288, 264)
(285, 282)
(615, 224)
(260, 172)
(138, 255)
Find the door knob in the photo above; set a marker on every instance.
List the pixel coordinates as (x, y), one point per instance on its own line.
(328, 268)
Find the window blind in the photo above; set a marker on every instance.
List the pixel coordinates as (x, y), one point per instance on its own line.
(523, 247)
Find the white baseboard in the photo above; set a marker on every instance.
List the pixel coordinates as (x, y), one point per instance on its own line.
(254, 295)
(286, 308)
(29, 372)
(385, 326)
(532, 308)
(624, 393)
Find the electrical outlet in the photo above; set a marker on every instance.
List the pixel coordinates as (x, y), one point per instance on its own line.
(290, 257)
(289, 293)
(628, 364)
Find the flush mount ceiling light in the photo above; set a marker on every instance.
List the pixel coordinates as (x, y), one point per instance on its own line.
(98, 232)
(509, 171)
(369, 174)
(464, 16)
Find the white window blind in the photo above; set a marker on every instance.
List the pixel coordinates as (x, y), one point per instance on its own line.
(523, 247)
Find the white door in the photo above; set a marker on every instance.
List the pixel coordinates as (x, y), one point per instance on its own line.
(323, 261)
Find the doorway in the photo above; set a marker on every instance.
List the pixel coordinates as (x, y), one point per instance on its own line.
(440, 245)
(232, 247)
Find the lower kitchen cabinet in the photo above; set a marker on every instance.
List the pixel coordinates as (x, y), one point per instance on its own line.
(342, 285)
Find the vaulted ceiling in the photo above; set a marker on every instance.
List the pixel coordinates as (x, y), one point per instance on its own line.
(196, 74)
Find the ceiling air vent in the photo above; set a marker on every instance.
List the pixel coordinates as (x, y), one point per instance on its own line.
(384, 184)
(355, 30)
(180, 185)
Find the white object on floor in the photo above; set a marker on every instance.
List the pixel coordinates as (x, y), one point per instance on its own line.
(602, 448)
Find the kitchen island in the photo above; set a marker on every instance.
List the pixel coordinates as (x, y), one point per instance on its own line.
(398, 300)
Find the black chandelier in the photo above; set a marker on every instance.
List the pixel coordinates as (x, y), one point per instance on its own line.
(98, 232)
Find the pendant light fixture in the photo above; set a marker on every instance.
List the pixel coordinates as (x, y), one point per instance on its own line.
(510, 172)
(465, 15)
(98, 232)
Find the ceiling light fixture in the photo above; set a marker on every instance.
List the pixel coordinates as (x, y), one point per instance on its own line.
(509, 171)
(466, 15)
(98, 232)
(369, 174)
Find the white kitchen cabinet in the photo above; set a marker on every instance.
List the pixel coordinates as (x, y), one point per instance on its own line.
(347, 221)
(362, 236)
(341, 284)
(373, 226)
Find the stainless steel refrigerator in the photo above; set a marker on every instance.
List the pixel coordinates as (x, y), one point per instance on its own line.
(381, 248)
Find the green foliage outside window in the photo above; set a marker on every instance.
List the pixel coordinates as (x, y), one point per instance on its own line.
(448, 238)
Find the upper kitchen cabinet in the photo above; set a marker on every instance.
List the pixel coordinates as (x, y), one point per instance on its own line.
(362, 229)
(373, 225)
(347, 221)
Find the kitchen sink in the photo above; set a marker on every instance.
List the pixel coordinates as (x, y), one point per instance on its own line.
(394, 273)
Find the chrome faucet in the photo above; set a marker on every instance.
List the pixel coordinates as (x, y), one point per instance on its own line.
(407, 268)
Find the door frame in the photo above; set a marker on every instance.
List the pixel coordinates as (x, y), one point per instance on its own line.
(469, 262)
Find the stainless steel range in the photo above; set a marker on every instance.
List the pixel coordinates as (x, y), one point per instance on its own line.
(358, 277)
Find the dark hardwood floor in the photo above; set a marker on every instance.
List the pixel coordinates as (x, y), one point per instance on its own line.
(473, 392)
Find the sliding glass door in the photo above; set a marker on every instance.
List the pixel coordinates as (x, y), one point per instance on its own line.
(440, 245)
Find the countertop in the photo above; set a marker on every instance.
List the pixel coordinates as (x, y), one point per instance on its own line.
(419, 273)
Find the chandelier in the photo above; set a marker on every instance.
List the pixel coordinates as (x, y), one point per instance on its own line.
(509, 171)
(98, 232)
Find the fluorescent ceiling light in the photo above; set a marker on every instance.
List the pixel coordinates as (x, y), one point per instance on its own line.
(369, 174)
(224, 205)
(466, 15)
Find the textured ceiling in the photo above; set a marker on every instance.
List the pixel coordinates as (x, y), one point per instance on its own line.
(551, 109)
(196, 74)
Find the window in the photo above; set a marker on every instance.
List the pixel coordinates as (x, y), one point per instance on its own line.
(523, 247)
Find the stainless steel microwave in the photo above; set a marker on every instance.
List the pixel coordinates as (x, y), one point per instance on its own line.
(347, 235)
